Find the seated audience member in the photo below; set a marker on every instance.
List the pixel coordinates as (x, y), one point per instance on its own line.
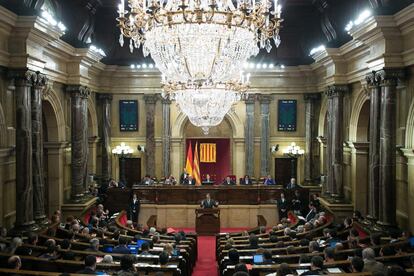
(312, 213)
(282, 206)
(66, 254)
(297, 203)
(375, 239)
(267, 257)
(113, 183)
(315, 201)
(357, 264)
(147, 180)
(253, 242)
(189, 180)
(387, 251)
(32, 239)
(94, 245)
(304, 259)
(370, 264)
(107, 259)
(316, 266)
(228, 181)
(169, 249)
(229, 244)
(15, 243)
(356, 216)
(170, 180)
(14, 262)
(51, 253)
(269, 180)
(395, 270)
(90, 265)
(145, 247)
(122, 247)
(246, 180)
(329, 254)
(234, 257)
(284, 270)
(347, 223)
(292, 184)
(241, 268)
(127, 266)
(163, 259)
(207, 180)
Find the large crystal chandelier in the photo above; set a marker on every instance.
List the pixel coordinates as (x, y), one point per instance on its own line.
(200, 46)
(193, 40)
(206, 104)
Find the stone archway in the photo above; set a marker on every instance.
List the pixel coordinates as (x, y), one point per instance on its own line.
(409, 154)
(322, 132)
(3, 129)
(54, 143)
(178, 143)
(359, 144)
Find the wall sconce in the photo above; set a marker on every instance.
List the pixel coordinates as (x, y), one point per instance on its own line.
(274, 149)
(141, 148)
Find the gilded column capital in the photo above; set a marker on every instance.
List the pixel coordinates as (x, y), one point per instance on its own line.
(265, 99)
(78, 91)
(390, 76)
(23, 76)
(151, 99)
(336, 90)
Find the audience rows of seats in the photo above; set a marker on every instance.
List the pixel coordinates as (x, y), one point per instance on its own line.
(316, 247)
(99, 246)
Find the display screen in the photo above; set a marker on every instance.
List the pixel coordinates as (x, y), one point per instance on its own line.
(287, 115)
(128, 115)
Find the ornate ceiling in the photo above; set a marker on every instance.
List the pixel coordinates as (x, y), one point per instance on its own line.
(307, 24)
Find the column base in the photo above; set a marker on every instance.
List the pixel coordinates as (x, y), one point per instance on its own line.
(24, 229)
(42, 220)
(77, 208)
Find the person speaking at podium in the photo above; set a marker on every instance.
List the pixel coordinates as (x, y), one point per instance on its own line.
(208, 203)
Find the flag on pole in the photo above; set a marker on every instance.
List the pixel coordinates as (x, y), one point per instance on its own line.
(189, 162)
(196, 167)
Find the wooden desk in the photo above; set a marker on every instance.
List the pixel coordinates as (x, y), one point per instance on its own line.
(207, 221)
(118, 199)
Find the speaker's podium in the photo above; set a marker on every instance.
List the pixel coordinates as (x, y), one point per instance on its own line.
(207, 221)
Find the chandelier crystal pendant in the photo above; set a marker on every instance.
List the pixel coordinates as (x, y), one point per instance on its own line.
(206, 104)
(199, 40)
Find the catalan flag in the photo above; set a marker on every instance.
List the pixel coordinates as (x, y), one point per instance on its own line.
(196, 167)
(189, 162)
(208, 152)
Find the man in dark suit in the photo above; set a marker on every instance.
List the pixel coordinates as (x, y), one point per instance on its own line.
(207, 180)
(134, 208)
(269, 180)
(122, 248)
(228, 181)
(183, 176)
(292, 184)
(316, 266)
(90, 265)
(312, 212)
(246, 180)
(208, 202)
(189, 180)
(282, 206)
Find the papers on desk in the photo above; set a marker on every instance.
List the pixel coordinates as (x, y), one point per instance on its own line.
(272, 274)
(301, 218)
(334, 270)
(300, 271)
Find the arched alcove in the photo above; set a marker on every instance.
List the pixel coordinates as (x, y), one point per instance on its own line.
(362, 129)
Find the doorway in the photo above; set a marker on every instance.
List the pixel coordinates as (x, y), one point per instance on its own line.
(132, 171)
(283, 170)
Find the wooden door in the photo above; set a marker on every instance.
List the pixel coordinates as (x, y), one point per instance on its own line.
(132, 171)
(283, 170)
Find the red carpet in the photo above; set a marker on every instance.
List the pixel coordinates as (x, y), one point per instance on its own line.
(206, 264)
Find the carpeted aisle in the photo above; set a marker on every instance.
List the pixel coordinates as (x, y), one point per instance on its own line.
(206, 264)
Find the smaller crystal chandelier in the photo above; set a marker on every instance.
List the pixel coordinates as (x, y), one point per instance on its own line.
(206, 103)
(293, 151)
(122, 150)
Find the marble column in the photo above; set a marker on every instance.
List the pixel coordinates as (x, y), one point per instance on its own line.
(335, 95)
(23, 80)
(387, 145)
(166, 137)
(106, 100)
(150, 101)
(37, 149)
(374, 138)
(79, 139)
(310, 102)
(249, 135)
(265, 134)
(328, 163)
